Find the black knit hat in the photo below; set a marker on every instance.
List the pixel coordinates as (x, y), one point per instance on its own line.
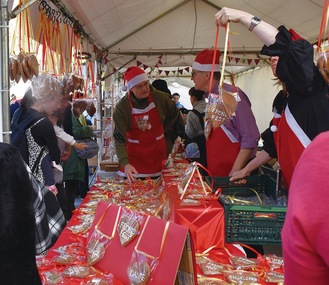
(161, 85)
(184, 111)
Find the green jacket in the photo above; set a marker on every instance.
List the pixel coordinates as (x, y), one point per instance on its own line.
(75, 167)
(167, 111)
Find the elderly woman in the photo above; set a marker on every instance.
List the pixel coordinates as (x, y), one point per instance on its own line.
(32, 132)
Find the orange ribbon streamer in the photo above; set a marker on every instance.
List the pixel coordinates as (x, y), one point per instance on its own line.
(324, 23)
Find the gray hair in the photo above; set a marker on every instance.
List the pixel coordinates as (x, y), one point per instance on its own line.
(45, 87)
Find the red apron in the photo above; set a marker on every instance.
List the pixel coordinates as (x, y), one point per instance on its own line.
(290, 142)
(146, 149)
(222, 150)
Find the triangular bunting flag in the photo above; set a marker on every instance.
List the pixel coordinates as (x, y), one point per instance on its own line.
(237, 60)
(138, 63)
(257, 61)
(95, 48)
(249, 61)
(167, 72)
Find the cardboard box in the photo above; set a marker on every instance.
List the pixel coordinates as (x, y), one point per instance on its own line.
(186, 274)
(109, 166)
(93, 161)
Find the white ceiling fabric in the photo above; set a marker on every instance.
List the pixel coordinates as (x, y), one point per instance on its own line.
(168, 33)
(176, 28)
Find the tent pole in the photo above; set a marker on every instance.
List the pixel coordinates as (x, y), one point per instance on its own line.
(18, 9)
(4, 65)
(104, 77)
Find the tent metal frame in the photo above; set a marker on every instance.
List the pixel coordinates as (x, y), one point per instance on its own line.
(4, 67)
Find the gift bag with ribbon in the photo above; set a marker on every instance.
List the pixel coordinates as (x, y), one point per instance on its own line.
(197, 208)
(205, 222)
(220, 106)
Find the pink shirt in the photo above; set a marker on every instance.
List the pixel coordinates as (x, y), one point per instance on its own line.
(305, 234)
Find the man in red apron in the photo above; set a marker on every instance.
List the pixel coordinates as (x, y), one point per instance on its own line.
(234, 143)
(141, 117)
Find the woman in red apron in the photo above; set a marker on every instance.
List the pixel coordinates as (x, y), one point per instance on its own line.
(288, 150)
(273, 138)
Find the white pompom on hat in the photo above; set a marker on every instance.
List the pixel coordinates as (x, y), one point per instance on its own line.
(274, 128)
(133, 76)
(204, 60)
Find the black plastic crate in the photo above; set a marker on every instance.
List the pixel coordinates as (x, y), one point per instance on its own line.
(250, 224)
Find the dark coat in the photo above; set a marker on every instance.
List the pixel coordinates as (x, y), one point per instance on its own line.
(17, 221)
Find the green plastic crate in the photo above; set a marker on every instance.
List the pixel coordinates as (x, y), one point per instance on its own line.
(250, 224)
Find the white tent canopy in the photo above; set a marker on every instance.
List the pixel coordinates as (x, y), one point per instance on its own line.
(163, 36)
(168, 33)
(177, 29)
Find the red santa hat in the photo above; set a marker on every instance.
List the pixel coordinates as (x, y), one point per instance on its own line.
(204, 60)
(133, 76)
(294, 35)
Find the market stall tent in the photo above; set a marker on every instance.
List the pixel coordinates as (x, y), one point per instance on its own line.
(177, 29)
(163, 37)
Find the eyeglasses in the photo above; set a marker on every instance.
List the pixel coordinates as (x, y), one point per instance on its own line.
(195, 72)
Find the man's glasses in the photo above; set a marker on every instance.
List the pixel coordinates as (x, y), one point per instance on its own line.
(195, 72)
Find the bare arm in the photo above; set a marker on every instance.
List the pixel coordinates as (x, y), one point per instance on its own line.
(264, 31)
(261, 158)
(241, 159)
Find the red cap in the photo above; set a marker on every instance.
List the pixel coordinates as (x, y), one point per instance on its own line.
(134, 75)
(204, 60)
